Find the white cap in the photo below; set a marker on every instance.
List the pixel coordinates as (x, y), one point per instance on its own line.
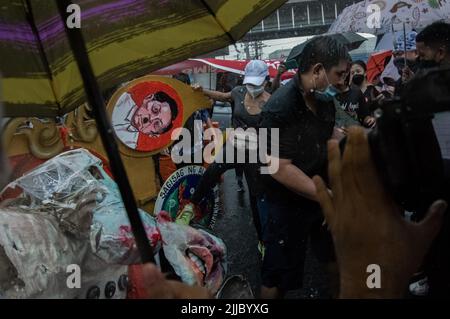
(256, 72)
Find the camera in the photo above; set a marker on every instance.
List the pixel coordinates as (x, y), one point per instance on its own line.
(411, 142)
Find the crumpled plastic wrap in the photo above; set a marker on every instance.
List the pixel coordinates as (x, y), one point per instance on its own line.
(63, 184)
(111, 235)
(35, 255)
(58, 188)
(69, 212)
(61, 179)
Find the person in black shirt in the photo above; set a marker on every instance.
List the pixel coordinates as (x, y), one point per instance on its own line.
(433, 49)
(358, 79)
(433, 46)
(351, 106)
(352, 109)
(304, 113)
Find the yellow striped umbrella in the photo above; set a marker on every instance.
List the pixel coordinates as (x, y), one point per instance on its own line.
(125, 39)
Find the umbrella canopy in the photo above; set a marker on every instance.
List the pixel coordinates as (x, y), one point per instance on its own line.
(125, 39)
(351, 40)
(377, 64)
(381, 16)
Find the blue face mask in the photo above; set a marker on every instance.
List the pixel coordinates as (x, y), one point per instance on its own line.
(328, 94)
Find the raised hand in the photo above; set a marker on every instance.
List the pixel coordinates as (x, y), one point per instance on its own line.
(367, 225)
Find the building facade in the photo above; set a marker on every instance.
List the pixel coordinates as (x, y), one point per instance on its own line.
(298, 18)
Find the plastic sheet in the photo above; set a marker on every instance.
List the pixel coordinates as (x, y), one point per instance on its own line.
(69, 212)
(35, 256)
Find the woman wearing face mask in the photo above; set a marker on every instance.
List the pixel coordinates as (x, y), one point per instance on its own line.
(248, 101)
(358, 78)
(352, 107)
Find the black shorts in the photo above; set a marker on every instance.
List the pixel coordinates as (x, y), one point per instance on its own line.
(286, 230)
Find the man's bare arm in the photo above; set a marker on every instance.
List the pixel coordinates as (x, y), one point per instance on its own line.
(294, 179)
(215, 95)
(218, 96)
(276, 83)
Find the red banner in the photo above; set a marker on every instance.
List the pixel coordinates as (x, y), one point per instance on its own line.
(217, 65)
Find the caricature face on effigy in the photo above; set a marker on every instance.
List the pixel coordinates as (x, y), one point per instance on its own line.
(155, 115)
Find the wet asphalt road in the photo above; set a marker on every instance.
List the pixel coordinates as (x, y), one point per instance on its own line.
(235, 227)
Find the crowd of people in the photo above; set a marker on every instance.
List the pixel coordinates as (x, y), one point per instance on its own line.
(333, 199)
(323, 196)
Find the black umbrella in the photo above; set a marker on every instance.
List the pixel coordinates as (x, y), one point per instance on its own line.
(351, 40)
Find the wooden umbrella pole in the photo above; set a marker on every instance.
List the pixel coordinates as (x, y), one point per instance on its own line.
(105, 130)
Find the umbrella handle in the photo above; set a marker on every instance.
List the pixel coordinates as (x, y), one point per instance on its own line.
(404, 39)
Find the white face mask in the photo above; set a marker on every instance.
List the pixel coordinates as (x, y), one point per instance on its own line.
(254, 90)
